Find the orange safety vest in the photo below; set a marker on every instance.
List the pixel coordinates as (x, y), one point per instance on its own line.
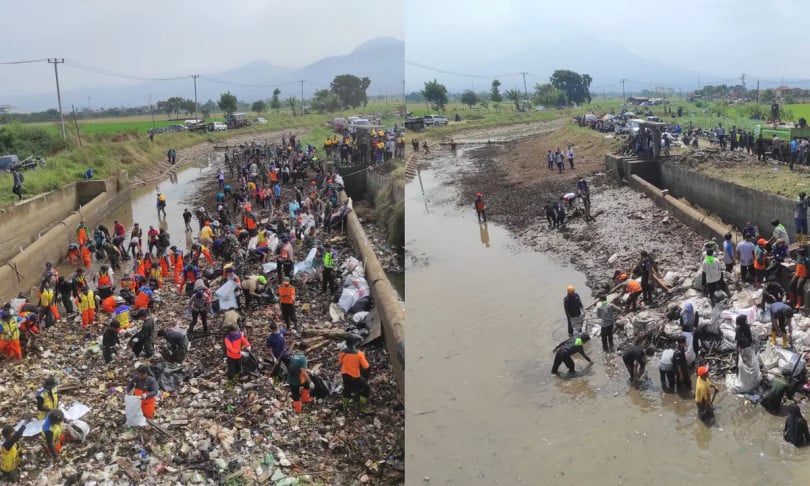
(801, 270)
(633, 286)
(479, 204)
(286, 294)
(141, 301)
(250, 223)
(108, 304)
(759, 262)
(104, 280)
(233, 346)
(127, 282)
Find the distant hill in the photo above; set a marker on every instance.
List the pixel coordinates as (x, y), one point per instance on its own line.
(382, 60)
(606, 62)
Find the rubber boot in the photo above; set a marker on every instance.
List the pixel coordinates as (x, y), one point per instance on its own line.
(305, 398)
(346, 402)
(784, 340)
(773, 338)
(297, 406)
(364, 405)
(799, 301)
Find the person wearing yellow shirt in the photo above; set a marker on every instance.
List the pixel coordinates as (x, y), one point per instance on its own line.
(10, 453)
(46, 297)
(703, 395)
(207, 234)
(87, 306)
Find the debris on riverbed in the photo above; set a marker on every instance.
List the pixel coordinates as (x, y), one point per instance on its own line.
(204, 433)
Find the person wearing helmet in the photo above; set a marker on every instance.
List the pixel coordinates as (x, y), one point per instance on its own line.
(572, 305)
(161, 205)
(703, 394)
(144, 386)
(354, 370)
(480, 208)
(566, 349)
(252, 288)
(47, 398)
(52, 433)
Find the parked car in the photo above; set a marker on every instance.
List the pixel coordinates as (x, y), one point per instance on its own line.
(8, 162)
(259, 121)
(217, 126)
(435, 120)
(176, 128)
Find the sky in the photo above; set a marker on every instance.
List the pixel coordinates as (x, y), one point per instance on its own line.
(717, 38)
(168, 38)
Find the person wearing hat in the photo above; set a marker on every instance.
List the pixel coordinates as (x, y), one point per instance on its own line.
(46, 304)
(779, 233)
(480, 208)
(109, 340)
(760, 261)
(47, 398)
(607, 313)
(29, 332)
(233, 343)
(252, 288)
(142, 341)
(354, 369)
(298, 377)
(161, 204)
(566, 349)
(144, 386)
(286, 295)
(177, 345)
(703, 394)
(572, 305)
(52, 433)
(10, 452)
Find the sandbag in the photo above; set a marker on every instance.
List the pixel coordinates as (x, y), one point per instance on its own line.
(748, 373)
(134, 413)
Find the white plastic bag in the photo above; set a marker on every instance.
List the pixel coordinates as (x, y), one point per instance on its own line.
(748, 373)
(227, 296)
(135, 416)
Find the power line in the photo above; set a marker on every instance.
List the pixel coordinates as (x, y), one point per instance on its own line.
(24, 62)
(230, 83)
(115, 74)
(455, 73)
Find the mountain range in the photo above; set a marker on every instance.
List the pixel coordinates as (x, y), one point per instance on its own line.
(382, 60)
(606, 62)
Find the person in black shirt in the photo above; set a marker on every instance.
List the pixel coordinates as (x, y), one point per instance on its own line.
(573, 308)
(796, 431)
(568, 348)
(109, 340)
(635, 359)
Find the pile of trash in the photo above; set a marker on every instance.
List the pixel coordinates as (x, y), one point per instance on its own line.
(203, 433)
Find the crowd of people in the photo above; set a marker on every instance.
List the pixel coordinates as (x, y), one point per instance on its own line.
(277, 204)
(757, 261)
(365, 146)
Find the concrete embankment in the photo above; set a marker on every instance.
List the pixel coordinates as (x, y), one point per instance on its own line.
(385, 298)
(88, 201)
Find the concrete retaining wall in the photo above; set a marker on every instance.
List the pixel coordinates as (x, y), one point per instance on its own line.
(22, 272)
(385, 298)
(734, 203)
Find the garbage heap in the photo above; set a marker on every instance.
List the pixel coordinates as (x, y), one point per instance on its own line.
(203, 433)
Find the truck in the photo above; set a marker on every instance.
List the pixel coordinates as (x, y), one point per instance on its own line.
(236, 120)
(784, 134)
(415, 124)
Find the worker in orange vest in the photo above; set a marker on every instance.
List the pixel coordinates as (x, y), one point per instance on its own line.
(286, 295)
(86, 257)
(354, 369)
(480, 208)
(73, 254)
(198, 249)
(87, 306)
(177, 264)
(760, 261)
(81, 234)
(233, 343)
(156, 276)
(633, 290)
(104, 282)
(108, 304)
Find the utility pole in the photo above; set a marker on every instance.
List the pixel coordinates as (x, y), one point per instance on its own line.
(386, 97)
(55, 63)
(525, 89)
(742, 80)
(623, 96)
(302, 81)
(194, 77)
(757, 91)
(404, 106)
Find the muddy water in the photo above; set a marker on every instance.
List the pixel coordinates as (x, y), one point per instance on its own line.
(483, 407)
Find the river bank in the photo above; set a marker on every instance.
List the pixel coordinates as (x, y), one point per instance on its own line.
(502, 286)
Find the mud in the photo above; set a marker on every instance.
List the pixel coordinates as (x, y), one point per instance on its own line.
(482, 406)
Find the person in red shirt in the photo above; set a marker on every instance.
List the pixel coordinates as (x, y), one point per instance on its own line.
(233, 343)
(118, 229)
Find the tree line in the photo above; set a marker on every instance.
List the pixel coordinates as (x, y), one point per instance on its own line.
(565, 87)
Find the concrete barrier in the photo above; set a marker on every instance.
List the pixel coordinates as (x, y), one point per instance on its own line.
(385, 298)
(703, 224)
(22, 272)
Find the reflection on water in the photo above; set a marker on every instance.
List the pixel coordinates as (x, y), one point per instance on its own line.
(484, 233)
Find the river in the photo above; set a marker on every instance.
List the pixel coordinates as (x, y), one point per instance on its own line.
(482, 407)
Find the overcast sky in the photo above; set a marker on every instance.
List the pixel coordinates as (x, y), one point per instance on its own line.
(177, 37)
(717, 37)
